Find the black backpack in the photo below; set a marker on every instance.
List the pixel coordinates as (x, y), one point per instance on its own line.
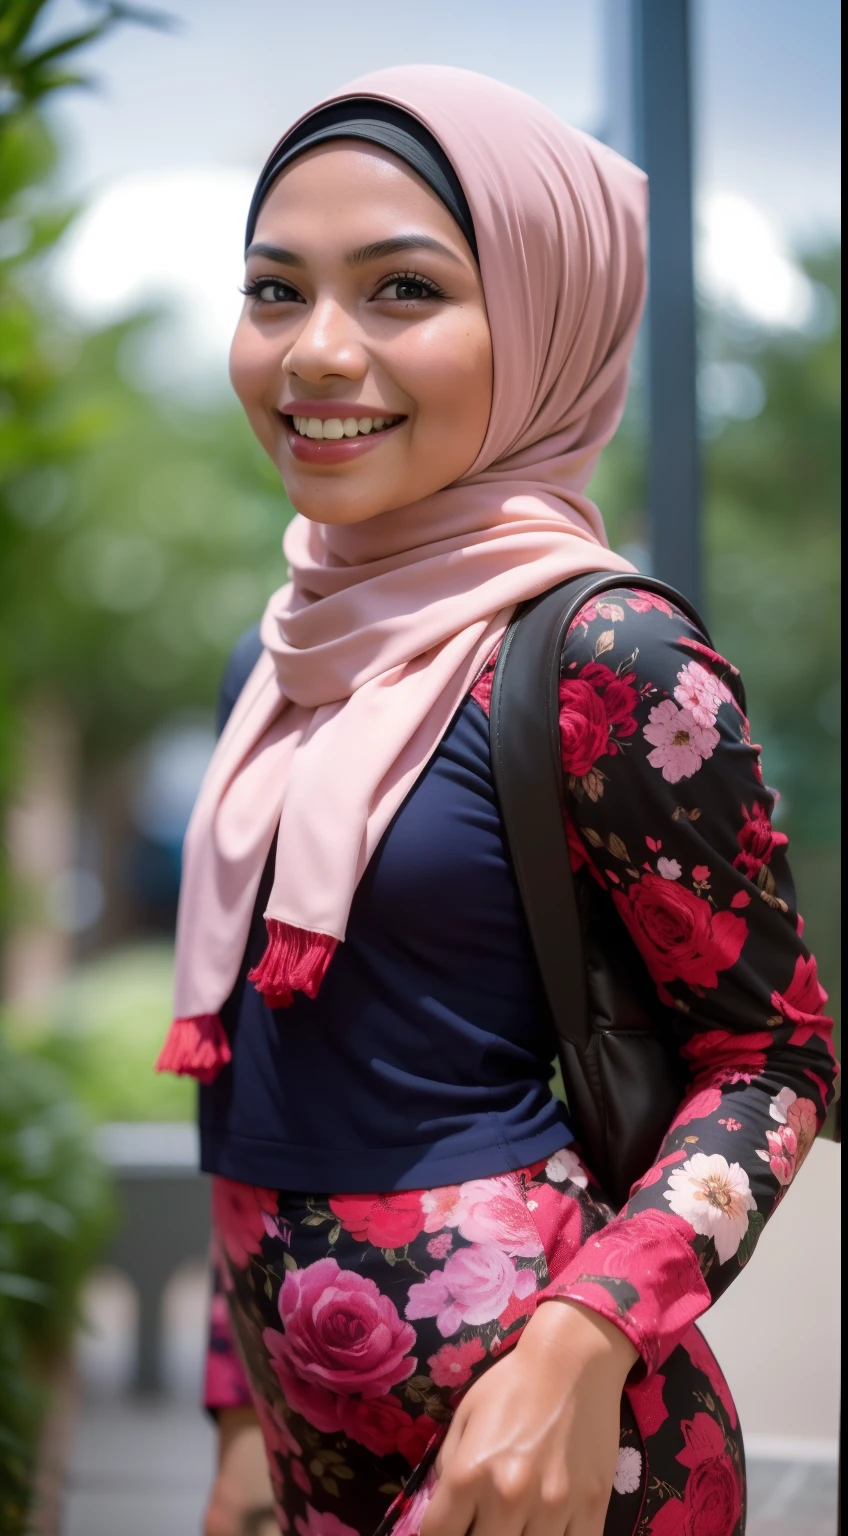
(617, 1044)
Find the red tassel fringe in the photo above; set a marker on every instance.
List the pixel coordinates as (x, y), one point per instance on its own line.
(295, 960)
(196, 1047)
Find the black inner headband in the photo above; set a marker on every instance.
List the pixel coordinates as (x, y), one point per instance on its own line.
(380, 123)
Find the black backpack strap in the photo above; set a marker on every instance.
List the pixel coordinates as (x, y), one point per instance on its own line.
(527, 772)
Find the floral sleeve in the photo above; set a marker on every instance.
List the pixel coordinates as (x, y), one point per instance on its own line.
(668, 812)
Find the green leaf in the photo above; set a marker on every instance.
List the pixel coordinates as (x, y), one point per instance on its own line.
(756, 1222)
(389, 1255)
(290, 1262)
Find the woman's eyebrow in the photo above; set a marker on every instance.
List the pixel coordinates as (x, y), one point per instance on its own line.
(275, 253)
(398, 243)
(364, 253)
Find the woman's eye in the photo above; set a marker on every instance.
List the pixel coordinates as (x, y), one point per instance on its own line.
(271, 291)
(408, 289)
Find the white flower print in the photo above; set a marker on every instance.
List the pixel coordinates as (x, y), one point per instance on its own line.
(700, 692)
(714, 1196)
(564, 1165)
(628, 1470)
(680, 744)
(669, 869)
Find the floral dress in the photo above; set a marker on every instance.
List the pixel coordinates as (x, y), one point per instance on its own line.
(361, 1318)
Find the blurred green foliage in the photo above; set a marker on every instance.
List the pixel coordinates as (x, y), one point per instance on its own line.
(104, 1029)
(55, 1209)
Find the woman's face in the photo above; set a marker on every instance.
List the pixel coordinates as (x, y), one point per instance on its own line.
(362, 356)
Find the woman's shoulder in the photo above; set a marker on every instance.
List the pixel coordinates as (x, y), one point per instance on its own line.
(645, 638)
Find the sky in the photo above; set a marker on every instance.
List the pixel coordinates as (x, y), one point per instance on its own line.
(182, 120)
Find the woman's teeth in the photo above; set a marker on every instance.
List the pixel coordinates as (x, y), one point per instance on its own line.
(335, 428)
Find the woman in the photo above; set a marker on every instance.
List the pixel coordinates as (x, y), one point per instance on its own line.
(443, 288)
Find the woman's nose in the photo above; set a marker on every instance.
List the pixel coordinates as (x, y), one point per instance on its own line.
(327, 343)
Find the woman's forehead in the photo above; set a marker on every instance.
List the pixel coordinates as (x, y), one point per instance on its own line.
(352, 182)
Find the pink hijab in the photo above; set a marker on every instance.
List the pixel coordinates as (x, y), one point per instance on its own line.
(371, 646)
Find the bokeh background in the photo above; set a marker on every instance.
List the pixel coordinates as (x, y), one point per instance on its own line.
(140, 526)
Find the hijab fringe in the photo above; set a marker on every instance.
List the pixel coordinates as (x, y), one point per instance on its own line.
(196, 1047)
(295, 960)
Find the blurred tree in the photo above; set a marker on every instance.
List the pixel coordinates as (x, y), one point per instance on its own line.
(137, 536)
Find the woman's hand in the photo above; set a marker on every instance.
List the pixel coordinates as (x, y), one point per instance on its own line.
(533, 1446)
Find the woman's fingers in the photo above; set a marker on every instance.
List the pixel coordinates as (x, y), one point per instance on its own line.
(449, 1512)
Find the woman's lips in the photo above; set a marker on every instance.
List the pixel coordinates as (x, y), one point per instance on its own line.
(310, 450)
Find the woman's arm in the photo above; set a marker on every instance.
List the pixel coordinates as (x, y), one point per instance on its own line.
(669, 812)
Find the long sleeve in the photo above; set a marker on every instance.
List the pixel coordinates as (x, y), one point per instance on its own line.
(668, 811)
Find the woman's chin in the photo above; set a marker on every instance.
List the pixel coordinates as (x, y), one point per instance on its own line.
(319, 504)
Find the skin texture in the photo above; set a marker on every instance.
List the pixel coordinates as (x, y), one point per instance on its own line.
(533, 1446)
(331, 331)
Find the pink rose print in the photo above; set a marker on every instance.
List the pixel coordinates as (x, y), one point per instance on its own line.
(648, 600)
(438, 1206)
(386, 1221)
(474, 1287)
(300, 1476)
(317, 1524)
(595, 707)
(713, 1500)
(697, 1106)
(238, 1212)
(680, 744)
(701, 693)
(631, 1245)
(646, 1399)
(726, 1057)
(414, 1441)
(275, 1431)
(703, 1359)
(583, 726)
(789, 1144)
(378, 1423)
(224, 1385)
(803, 1002)
(493, 1211)
(439, 1247)
(409, 1523)
(341, 1336)
(677, 933)
(559, 1221)
(318, 1406)
(451, 1365)
(657, 1169)
(757, 841)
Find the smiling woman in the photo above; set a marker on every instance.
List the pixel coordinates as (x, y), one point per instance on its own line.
(369, 386)
(443, 289)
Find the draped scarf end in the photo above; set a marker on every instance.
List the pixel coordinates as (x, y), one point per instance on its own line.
(196, 1047)
(295, 960)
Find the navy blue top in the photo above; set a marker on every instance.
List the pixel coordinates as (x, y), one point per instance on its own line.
(426, 1057)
